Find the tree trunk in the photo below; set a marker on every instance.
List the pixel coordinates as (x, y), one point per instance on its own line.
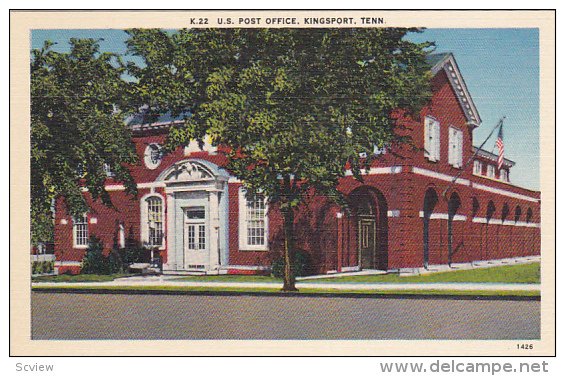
(289, 280)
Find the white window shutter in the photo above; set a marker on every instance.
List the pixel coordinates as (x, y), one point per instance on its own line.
(459, 149)
(437, 140)
(427, 145)
(451, 151)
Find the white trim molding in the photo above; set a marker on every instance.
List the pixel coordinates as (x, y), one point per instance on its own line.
(149, 185)
(504, 192)
(246, 267)
(393, 213)
(346, 269)
(68, 263)
(438, 175)
(445, 216)
(377, 171)
(494, 221)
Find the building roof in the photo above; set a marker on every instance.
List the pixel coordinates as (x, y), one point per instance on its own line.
(446, 62)
(491, 156)
(145, 120)
(437, 61)
(433, 59)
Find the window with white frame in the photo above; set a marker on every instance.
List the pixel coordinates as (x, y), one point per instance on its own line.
(153, 156)
(252, 221)
(504, 175)
(490, 171)
(431, 139)
(80, 232)
(152, 221)
(121, 236)
(455, 156)
(379, 150)
(477, 168)
(108, 170)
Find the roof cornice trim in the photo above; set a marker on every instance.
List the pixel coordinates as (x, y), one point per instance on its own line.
(449, 65)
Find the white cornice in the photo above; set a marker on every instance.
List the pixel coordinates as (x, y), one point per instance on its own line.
(449, 65)
(503, 192)
(438, 175)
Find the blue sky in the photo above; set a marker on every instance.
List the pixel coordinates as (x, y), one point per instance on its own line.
(500, 68)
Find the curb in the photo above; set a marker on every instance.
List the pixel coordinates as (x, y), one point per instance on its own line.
(393, 295)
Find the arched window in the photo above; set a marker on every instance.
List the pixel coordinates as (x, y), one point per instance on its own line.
(529, 215)
(253, 221)
(476, 207)
(152, 221)
(517, 213)
(505, 212)
(490, 210)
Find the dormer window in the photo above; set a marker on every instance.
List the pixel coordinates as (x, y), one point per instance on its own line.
(490, 171)
(504, 175)
(431, 139)
(477, 168)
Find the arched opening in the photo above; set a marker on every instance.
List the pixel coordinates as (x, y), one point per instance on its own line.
(453, 205)
(517, 213)
(491, 209)
(476, 207)
(369, 213)
(505, 212)
(504, 237)
(430, 202)
(529, 215)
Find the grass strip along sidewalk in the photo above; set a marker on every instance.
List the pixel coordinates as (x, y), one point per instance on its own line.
(303, 291)
(520, 273)
(511, 275)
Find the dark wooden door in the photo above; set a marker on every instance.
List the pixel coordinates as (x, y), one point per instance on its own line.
(367, 243)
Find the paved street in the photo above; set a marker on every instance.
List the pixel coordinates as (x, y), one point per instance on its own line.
(114, 316)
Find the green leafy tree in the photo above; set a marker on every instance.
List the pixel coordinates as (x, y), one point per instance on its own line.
(77, 127)
(293, 107)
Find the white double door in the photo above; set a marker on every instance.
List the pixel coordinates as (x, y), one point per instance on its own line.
(196, 238)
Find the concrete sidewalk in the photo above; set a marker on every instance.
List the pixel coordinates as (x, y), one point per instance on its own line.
(166, 282)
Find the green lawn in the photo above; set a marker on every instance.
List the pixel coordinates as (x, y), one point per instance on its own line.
(79, 278)
(158, 289)
(522, 273)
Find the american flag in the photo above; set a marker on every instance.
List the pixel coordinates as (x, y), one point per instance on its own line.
(500, 146)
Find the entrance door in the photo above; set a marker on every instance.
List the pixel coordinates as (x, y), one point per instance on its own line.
(367, 241)
(195, 238)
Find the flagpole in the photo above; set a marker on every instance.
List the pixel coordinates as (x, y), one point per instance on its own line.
(473, 156)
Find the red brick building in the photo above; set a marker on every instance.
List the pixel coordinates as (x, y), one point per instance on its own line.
(407, 213)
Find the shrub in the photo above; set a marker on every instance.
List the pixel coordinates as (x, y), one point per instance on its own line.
(301, 265)
(95, 262)
(132, 253)
(42, 267)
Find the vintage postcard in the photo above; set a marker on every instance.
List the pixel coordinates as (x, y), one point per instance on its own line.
(282, 183)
